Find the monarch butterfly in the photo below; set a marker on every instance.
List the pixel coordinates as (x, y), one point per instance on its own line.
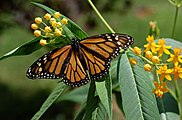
(73, 62)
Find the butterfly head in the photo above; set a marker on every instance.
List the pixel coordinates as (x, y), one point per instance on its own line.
(74, 40)
(75, 43)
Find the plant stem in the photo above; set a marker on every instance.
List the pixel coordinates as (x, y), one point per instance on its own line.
(175, 19)
(100, 16)
(178, 96)
(156, 75)
(177, 90)
(163, 108)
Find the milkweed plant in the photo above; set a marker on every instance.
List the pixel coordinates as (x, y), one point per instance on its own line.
(145, 81)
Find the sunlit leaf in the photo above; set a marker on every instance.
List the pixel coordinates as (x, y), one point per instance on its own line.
(136, 90)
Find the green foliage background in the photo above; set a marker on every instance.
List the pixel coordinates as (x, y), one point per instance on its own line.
(20, 97)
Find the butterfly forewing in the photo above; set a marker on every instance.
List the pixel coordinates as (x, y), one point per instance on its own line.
(50, 65)
(100, 49)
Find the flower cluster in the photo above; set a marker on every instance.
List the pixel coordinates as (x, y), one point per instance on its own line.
(49, 26)
(153, 56)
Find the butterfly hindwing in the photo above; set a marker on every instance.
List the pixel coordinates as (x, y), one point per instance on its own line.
(74, 73)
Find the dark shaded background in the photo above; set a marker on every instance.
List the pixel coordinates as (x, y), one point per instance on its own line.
(20, 98)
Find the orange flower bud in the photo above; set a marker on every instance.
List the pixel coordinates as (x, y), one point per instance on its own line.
(38, 20)
(37, 33)
(47, 16)
(155, 59)
(133, 61)
(52, 19)
(64, 21)
(152, 25)
(147, 67)
(137, 50)
(34, 26)
(58, 32)
(59, 24)
(43, 42)
(148, 54)
(47, 29)
(54, 23)
(57, 15)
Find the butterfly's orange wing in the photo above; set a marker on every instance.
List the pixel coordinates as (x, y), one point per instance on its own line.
(70, 62)
(98, 51)
(74, 73)
(63, 63)
(50, 65)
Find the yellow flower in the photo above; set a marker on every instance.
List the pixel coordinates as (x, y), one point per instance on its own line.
(48, 34)
(37, 33)
(57, 15)
(34, 26)
(133, 61)
(151, 44)
(59, 25)
(38, 20)
(161, 47)
(43, 42)
(47, 16)
(47, 29)
(147, 67)
(164, 73)
(51, 20)
(64, 21)
(58, 32)
(160, 89)
(148, 54)
(54, 23)
(155, 59)
(177, 71)
(137, 50)
(176, 57)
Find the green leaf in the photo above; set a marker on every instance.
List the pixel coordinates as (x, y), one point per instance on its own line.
(172, 116)
(173, 43)
(113, 72)
(171, 108)
(79, 95)
(81, 112)
(99, 113)
(74, 28)
(50, 100)
(92, 102)
(104, 91)
(24, 49)
(139, 103)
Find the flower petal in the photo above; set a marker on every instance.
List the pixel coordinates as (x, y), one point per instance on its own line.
(166, 51)
(168, 77)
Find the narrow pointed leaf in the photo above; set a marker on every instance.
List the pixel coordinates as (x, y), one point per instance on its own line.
(104, 91)
(92, 102)
(24, 49)
(50, 100)
(79, 95)
(99, 113)
(138, 101)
